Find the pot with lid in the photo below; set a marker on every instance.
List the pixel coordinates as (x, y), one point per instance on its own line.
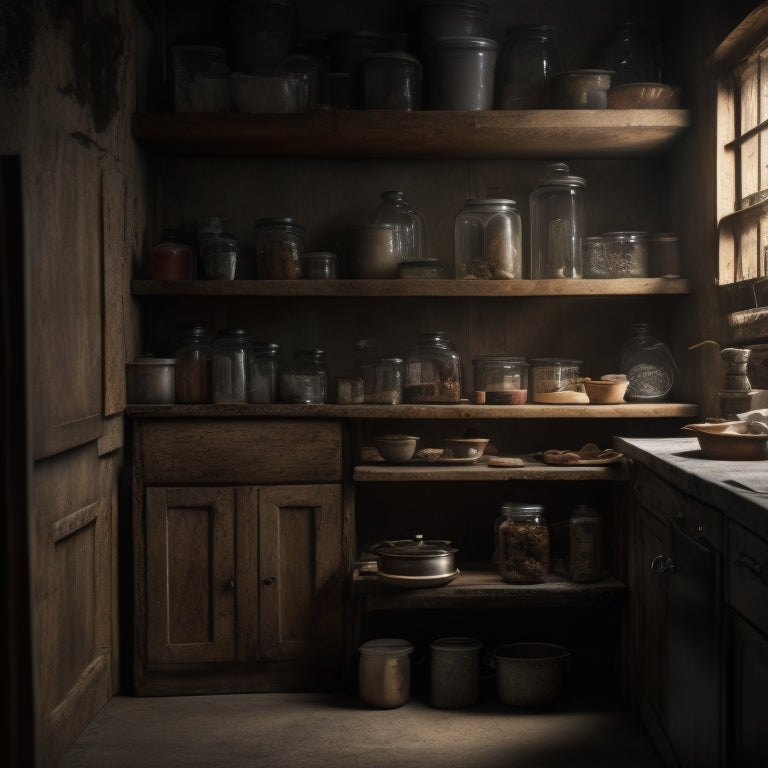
(416, 557)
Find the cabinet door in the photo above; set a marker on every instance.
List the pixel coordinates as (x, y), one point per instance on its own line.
(190, 575)
(300, 571)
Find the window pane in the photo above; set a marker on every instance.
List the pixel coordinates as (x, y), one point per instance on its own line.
(746, 257)
(763, 105)
(749, 95)
(750, 168)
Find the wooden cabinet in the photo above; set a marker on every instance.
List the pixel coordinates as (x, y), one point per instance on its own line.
(238, 586)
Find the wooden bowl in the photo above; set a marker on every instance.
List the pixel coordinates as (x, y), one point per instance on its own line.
(643, 96)
(396, 449)
(730, 440)
(606, 391)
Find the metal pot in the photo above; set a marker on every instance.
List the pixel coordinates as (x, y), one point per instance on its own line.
(415, 557)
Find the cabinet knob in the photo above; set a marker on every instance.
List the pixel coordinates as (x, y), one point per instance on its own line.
(662, 565)
(269, 580)
(229, 584)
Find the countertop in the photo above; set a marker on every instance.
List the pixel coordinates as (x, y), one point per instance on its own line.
(724, 485)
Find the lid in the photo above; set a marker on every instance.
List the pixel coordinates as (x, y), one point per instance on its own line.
(558, 176)
(192, 332)
(554, 361)
(265, 349)
(278, 221)
(152, 360)
(498, 360)
(585, 512)
(316, 353)
(521, 507)
(232, 333)
(624, 235)
(392, 360)
(415, 547)
(393, 56)
(464, 41)
(319, 256)
(386, 646)
(502, 202)
(456, 644)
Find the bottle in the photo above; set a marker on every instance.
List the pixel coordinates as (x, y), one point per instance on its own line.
(633, 55)
(557, 224)
(586, 543)
(523, 547)
(648, 365)
(194, 366)
(433, 371)
(263, 373)
(410, 225)
(305, 380)
(230, 355)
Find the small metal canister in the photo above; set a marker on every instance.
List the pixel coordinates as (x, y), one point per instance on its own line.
(151, 380)
(385, 672)
(455, 672)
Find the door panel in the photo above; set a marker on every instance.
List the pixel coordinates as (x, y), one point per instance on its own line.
(190, 575)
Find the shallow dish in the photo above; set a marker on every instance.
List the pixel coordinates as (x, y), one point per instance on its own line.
(730, 440)
(643, 96)
(417, 582)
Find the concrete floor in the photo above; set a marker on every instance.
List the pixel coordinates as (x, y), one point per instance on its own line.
(303, 730)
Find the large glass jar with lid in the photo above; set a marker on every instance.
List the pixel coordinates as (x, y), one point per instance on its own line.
(433, 370)
(279, 248)
(409, 224)
(263, 372)
(500, 380)
(194, 366)
(557, 224)
(305, 379)
(230, 366)
(523, 544)
(648, 365)
(488, 240)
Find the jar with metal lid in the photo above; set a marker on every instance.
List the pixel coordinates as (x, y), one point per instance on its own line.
(392, 80)
(231, 349)
(586, 544)
(529, 57)
(557, 224)
(263, 372)
(194, 366)
(279, 248)
(500, 380)
(488, 240)
(626, 254)
(409, 224)
(433, 371)
(523, 544)
(557, 380)
(305, 380)
(219, 255)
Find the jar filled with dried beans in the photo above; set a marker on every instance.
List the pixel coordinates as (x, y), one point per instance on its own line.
(523, 545)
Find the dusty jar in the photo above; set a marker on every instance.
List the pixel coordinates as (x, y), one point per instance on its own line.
(385, 672)
(375, 252)
(194, 366)
(554, 375)
(455, 672)
(305, 380)
(488, 240)
(263, 373)
(523, 544)
(230, 366)
(626, 254)
(171, 259)
(219, 256)
(433, 371)
(279, 248)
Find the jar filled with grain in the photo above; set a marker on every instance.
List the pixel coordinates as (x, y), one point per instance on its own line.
(523, 545)
(279, 249)
(586, 542)
(194, 366)
(305, 380)
(433, 371)
(263, 372)
(230, 366)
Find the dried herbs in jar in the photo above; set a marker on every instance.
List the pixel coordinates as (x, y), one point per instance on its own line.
(523, 544)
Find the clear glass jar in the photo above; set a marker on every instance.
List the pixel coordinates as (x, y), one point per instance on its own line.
(500, 380)
(529, 57)
(305, 380)
(392, 80)
(557, 224)
(263, 372)
(433, 371)
(279, 248)
(488, 240)
(230, 366)
(409, 224)
(319, 265)
(593, 258)
(219, 256)
(556, 375)
(626, 254)
(586, 544)
(633, 54)
(382, 380)
(194, 366)
(523, 545)
(648, 365)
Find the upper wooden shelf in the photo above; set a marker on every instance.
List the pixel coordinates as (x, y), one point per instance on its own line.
(421, 134)
(449, 288)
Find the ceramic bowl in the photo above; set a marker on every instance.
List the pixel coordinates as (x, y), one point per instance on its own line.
(644, 96)
(396, 449)
(606, 391)
(464, 447)
(730, 440)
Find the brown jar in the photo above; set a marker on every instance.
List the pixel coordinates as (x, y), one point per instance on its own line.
(523, 544)
(194, 366)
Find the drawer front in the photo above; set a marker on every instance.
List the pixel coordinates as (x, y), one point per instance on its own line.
(224, 451)
(748, 575)
(657, 496)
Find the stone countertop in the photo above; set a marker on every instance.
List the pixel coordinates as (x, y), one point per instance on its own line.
(729, 486)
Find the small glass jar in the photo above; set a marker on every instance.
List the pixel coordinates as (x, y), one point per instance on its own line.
(554, 374)
(500, 380)
(319, 265)
(263, 373)
(279, 248)
(424, 269)
(410, 226)
(523, 545)
(219, 256)
(305, 380)
(593, 258)
(382, 380)
(194, 366)
(171, 259)
(649, 366)
(586, 544)
(392, 80)
(626, 254)
(664, 255)
(433, 371)
(488, 240)
(231, 350)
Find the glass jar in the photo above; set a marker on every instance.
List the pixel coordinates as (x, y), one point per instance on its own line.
(171, 259)
(488, 240)
(219, 256)
(500, 380)
(626, 254)
(263, 33)
(593, 258)
(648, 365)
(263, 372)
(319, 265)
(230, 366)
(279, 248)
(586, 544)
(382, 380)
(523, 544)
(392, 80)
(633, 55)
(557, 224)
(561, 376)
(664, 255)
(305, 380)
(409, 225)
(194, 366)
(529, 57)
(433, 371)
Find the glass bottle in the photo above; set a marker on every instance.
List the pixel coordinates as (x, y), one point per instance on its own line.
(194, 366)
(649, 366)
(305, 380)
(433, 370)
(633, 54)
(557, 224)
(263, 373)
(523, 545)
(586, 543)
(409, 223)
(230, 357)
(488, 240)
(529, 57)
(279, 248)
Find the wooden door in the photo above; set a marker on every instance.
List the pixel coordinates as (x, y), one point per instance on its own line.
(300, 571)
(190, 583)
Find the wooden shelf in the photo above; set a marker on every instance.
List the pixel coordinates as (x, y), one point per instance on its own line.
(421, 134)
(633, 286)
(461, 411)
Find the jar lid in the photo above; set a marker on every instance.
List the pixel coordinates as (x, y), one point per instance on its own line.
(324, 256)
(278, 221)
(499, 360)
(496, 201)
(232, 333)
(558, 175)
(624, 235)
(392, 360)
(521, 507)
(464, 41)
(152, 360)
(386, 646)
(554, 361)
(456, 644)
(192, 332)
(265, 349)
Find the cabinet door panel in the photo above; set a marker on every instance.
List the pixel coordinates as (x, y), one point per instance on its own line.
(300, 569)
(190, 575)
